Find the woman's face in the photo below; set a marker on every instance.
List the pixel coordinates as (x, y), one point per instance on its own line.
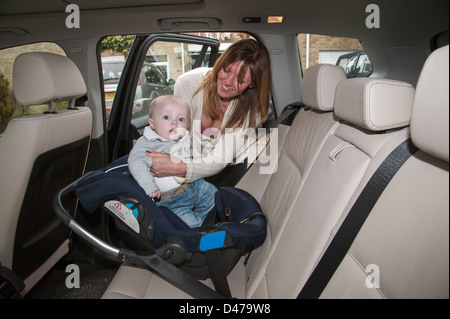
(229, 85)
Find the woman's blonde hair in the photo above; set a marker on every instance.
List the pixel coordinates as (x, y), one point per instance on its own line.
(254, 104)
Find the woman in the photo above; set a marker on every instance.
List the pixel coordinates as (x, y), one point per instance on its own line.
(225, 102)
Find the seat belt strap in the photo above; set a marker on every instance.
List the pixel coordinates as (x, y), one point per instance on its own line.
(355, 219)
(288, 114)
(217, 273)
(174, 275)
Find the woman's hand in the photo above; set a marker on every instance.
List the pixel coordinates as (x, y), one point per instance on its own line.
(165, 165)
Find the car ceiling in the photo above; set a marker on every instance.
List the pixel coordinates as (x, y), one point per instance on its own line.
(403, 22)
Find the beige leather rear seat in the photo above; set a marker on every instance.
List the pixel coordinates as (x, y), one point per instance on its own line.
(324, 163)
(404, 243)
(350, 154)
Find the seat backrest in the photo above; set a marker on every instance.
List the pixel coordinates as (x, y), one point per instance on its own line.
(402, 250)
(40, 154)
(346, 155)
(277, 192)
(313, 124)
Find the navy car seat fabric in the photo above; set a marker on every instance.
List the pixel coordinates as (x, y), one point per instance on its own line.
(239, 223)
(240, 216)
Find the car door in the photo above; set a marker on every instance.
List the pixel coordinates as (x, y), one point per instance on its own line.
(151, 69)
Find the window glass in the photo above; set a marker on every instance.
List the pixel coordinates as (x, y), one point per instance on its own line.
(161, 61)
(364, 67)
(348, 64)
(345, 52)
(9, 107)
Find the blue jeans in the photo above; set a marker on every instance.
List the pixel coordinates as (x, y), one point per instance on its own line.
(193, 205)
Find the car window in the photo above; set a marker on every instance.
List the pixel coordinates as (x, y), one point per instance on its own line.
(317, 49)
(112, 71)
(153, 75)
(349, 64)
(364, 66)
(112, 68)
(9, 107)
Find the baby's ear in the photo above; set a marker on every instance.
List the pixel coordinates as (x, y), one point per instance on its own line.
(150, 122)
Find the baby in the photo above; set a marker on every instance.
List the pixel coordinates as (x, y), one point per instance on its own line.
(169, 120)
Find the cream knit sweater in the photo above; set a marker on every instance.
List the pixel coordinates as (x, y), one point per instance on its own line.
(216, 153)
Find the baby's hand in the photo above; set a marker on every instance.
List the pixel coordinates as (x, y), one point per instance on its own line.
(155, 194)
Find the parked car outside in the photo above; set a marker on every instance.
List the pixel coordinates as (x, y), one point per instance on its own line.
(112, 68)
(151, 84)
(355, 64)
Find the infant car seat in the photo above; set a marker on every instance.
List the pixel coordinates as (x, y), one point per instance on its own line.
(231, 229)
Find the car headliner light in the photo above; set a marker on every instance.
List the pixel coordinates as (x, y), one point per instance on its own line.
(275, 19)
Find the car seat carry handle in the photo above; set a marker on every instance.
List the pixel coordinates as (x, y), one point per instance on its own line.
(69, 221)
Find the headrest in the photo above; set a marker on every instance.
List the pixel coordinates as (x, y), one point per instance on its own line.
(40, 78)
(429, 123)
(374, 104)
(319, 86)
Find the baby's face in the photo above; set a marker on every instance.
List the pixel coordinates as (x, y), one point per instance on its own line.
(170, 121)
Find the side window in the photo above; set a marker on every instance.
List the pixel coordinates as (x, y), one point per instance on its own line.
(153, 74)
(9, 107)
(364, 67)
(348, 63)
(112, 67)
(345, 52)
(114, 52)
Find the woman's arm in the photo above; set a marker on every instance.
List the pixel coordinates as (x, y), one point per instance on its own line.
(232, 144)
